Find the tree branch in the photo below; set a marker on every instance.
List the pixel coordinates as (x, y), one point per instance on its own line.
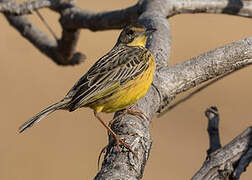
(234, 7)
(43, 43)
(73, 18)
(61, 52)
(227, 162)
(191, 73)
(168, 82)
(212, 115)
(77, 18)
(13, 8)
(191, 94)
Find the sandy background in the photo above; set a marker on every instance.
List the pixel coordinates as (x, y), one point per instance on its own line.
(66, 145)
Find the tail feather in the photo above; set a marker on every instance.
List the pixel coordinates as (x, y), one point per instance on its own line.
(35, 119)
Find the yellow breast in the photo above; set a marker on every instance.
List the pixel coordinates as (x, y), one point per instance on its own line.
(130, 92)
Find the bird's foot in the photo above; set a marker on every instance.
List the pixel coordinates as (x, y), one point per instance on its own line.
(119, 141)
(122, 141)
(137, 113)
(131, 111)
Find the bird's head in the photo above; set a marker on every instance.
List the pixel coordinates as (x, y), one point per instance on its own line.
(135, 36)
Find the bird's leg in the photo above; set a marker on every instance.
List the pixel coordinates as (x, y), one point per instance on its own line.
(137, 113)
(117, 138)
(131, 111)
(99, 157)
(118, 117)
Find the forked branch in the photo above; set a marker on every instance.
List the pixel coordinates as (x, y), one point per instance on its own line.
(73, 18)
(61, 51)
(230, 161)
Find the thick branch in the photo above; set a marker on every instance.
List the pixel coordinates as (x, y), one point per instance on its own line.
(168, 82)
(75, 17)
(176, 79)
(78, 18)
(234, 7)
(124, 165)
(171, 81)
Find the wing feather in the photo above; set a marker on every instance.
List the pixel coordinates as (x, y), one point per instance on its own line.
(117, 67)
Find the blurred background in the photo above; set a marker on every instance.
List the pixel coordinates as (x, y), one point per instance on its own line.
(66, 145)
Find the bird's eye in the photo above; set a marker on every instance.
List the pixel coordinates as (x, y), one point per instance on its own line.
(130, 32)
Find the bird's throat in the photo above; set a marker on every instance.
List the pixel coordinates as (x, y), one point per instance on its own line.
(139, 41)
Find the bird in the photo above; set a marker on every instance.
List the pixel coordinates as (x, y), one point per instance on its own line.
(115, 82)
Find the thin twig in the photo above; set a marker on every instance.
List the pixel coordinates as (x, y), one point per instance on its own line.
(46, 24)
(212, 115)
